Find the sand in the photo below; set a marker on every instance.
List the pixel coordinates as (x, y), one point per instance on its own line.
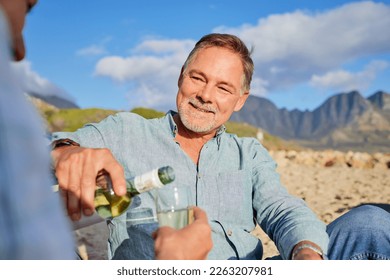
(332, 191)
(328, 191)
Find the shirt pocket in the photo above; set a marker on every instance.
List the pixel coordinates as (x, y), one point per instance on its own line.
(242, 242)
(230, 199)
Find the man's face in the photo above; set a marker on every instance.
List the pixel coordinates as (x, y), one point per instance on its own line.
(16, 11)
(210, 90)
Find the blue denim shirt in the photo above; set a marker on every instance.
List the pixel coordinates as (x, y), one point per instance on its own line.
(235, 182)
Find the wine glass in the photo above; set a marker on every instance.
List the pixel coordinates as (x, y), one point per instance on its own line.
(173, 206)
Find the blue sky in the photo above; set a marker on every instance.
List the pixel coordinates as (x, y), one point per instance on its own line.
(120, 54)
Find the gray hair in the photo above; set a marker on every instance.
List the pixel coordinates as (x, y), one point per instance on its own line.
(232, 43)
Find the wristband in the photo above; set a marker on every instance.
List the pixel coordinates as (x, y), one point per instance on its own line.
(304, 246)
(63, 142)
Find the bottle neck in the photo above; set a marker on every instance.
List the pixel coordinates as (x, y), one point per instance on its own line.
(145, 182)
(139, 184)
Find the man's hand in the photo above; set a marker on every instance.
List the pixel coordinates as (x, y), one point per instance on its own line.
(190, 243)
(76, 169)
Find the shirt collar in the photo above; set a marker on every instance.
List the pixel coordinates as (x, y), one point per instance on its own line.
(219, 134)
(171, 122)
(173, 127)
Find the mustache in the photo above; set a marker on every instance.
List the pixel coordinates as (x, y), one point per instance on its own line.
(200, 105)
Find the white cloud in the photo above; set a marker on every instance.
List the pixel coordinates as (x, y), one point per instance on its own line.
(32, 82)
(153, 95)
(152, 71)
(91, 51)
(95, 49)
(258, 86)
(153, 59)
(302, 43)
(289, 49)
(165, 46)
(341, 80)
(136, 67)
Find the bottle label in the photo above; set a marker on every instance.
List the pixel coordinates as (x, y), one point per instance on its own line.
(147, 181)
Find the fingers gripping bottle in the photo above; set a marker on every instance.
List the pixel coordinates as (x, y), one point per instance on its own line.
(108, 204)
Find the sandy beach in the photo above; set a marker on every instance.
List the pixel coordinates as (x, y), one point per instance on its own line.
(330, 187)
(332, 191)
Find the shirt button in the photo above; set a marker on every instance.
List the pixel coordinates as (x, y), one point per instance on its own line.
(229, 232)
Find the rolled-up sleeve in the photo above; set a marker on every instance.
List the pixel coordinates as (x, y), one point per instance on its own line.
(285, 218)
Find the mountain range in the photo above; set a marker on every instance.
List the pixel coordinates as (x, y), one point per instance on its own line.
(345, 121)
(56, 101)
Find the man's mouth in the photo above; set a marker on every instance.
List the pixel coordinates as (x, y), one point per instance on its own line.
(202, 108)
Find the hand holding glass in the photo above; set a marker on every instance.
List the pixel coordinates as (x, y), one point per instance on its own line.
(173, 206)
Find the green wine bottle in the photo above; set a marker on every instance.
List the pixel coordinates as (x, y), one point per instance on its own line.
(108, 204)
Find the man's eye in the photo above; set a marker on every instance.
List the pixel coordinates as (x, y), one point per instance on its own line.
(224, 90)
(196, 78)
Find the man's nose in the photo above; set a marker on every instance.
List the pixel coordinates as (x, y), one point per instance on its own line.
(206, 93)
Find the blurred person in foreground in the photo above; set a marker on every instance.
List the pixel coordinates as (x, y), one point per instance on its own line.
(33, 224)
(233, 179)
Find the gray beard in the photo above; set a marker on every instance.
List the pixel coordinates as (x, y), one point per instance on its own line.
(186, 117)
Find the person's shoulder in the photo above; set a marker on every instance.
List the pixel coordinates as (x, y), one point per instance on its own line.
(247, 144)
(134, 116)
(136, 120)
(125, 117)
(243, 140)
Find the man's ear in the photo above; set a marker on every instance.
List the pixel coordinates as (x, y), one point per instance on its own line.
(241, 101)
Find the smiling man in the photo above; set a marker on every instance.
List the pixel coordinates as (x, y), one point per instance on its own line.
(232, 179)
(210, 89)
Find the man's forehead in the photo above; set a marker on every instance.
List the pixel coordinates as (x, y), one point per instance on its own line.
(216, 51)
